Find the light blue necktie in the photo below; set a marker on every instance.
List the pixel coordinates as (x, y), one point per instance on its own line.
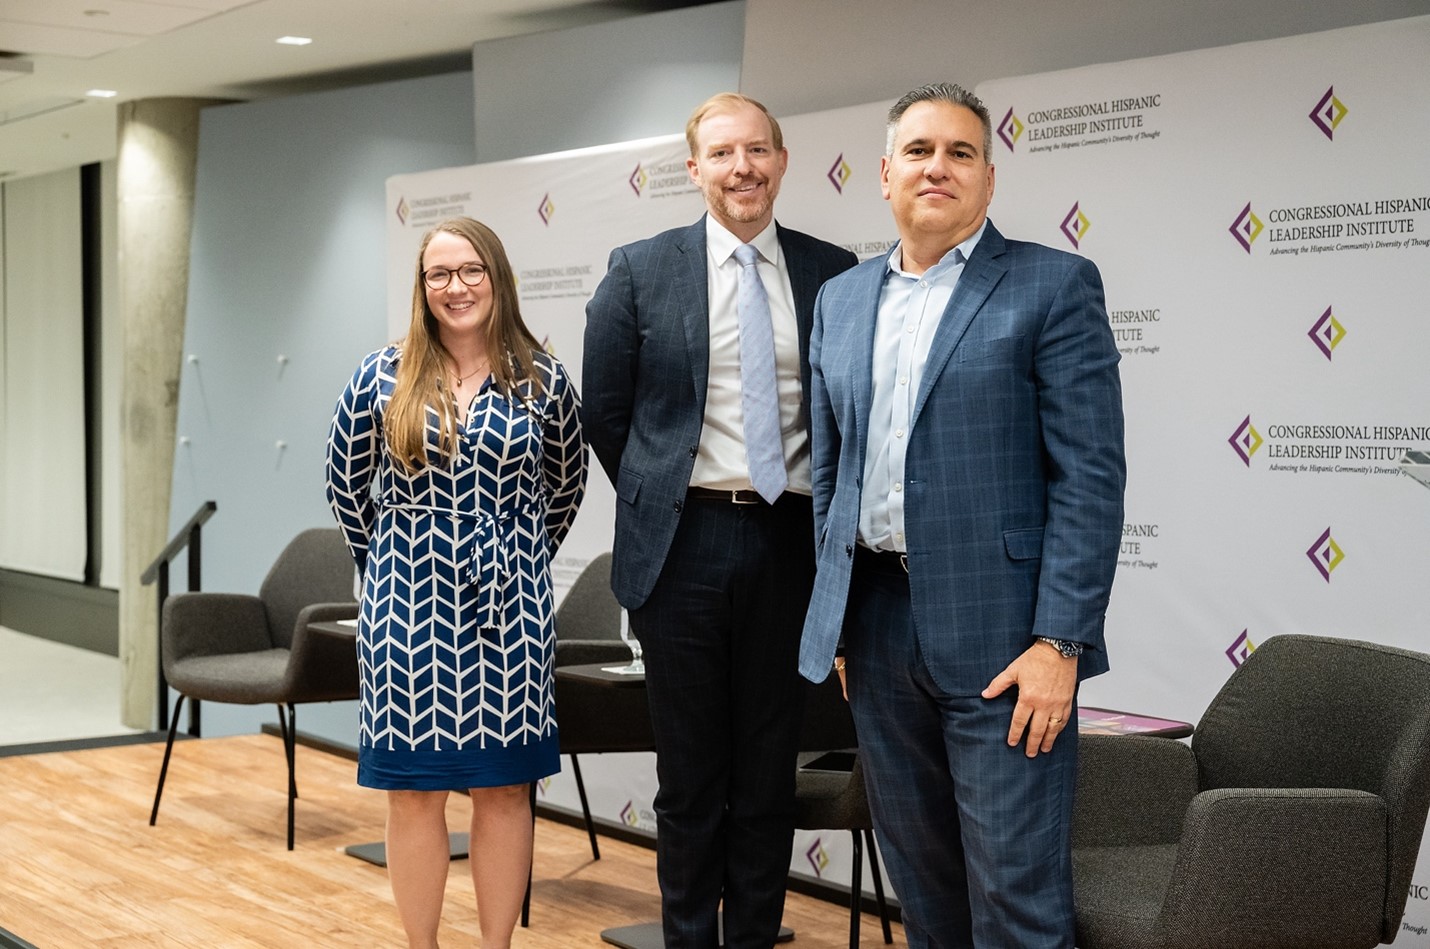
(759, 388)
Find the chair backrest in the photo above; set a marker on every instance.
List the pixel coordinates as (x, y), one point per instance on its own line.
(315, 567)
(590, 610)
(1313, 711)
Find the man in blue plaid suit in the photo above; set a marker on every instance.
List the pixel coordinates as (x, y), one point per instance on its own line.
(968, 472)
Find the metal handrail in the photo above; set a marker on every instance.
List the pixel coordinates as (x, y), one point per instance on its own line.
(188, 537)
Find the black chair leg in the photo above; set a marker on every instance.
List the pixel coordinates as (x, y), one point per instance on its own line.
(526, 900)
(289, 726)
(168, 748)
(879, 888)
(289, 741)
(585, 808)
(856, 887)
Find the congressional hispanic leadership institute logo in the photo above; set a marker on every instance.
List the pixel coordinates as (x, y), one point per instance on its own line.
(1326, 554)
(1075, 226)
(1327, 333)
(839, 173)
(638, 179)
(402, 210)
(1245, 440)
(1246, 228)
(1328, 113)
(1010, 130)
(1240, 648)
(546, 209)
(817, 857)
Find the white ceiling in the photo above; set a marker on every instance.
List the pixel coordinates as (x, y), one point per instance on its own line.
(52, 52)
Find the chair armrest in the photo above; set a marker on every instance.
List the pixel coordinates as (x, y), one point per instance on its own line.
(580, 652)
(314, 613)
(1298, 866)
(322, 667)
(1131, 790)
(211, 624)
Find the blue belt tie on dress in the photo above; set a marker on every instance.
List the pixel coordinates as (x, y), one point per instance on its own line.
(487, 563)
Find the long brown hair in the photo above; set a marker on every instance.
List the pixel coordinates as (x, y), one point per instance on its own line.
(423, 381)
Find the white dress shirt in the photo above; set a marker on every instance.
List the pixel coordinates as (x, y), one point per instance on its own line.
(910, 309)
(721, 462)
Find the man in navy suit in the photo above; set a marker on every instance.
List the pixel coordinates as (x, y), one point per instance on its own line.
(968, 471)
(712, 553)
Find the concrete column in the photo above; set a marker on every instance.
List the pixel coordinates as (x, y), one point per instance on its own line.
(158, 149)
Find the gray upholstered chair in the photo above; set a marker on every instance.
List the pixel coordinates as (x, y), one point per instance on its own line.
(1292, 821)
(595, 719)
(830, 795)
(255, 650)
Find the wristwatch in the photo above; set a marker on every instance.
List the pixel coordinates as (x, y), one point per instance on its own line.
(1068, 648)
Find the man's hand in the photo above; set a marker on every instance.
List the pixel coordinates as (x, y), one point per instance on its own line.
(843, 682)
(1046, 682)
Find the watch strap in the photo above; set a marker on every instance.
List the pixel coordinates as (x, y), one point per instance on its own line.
(1068, 648)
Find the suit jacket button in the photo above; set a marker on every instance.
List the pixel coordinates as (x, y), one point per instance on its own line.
(848, 550)
(678, 506)
(694, 451)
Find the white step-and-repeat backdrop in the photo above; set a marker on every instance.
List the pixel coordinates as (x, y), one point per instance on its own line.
(1261, 216)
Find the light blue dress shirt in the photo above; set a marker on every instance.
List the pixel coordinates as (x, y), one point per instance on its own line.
(910, 309)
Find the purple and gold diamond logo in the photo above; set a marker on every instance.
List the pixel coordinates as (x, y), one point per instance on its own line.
(1075, 226)
(839, 173)
(629, 817)
(1010, 129)
(817, 858)
(1327, 333)
(638, 179)
(1328, 113)
(1326, 554)
(1245, 440)
(1240, 648)
(546, 209)
(402, 210)
(1246, 228)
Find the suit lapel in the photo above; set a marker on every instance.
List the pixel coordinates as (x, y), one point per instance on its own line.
(804, 283)
(804, 286)
(865, 308)
(690, 291)
(980, 275)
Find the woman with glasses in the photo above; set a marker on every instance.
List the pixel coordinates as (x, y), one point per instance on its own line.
(455, 468)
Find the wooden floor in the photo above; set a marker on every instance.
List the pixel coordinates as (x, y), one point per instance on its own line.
(81, 868)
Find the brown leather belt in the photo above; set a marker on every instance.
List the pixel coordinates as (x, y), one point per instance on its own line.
(885, 561)
(745, 496)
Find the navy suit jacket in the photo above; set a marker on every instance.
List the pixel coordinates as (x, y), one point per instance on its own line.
(644, 374)
(1015, 470)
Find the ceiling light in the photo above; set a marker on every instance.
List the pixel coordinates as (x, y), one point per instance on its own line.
(101, 93)
(294, 40)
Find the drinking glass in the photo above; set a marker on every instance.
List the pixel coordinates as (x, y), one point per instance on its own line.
(637, 665)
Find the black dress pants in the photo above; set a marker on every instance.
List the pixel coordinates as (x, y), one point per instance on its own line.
(721, 635)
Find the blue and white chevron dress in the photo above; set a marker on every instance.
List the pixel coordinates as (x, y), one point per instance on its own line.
(455, 637)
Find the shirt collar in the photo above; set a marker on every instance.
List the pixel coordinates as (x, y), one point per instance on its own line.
(722, 243)
(957, 255)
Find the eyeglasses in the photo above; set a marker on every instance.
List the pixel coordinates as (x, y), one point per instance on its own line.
(438, 278)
